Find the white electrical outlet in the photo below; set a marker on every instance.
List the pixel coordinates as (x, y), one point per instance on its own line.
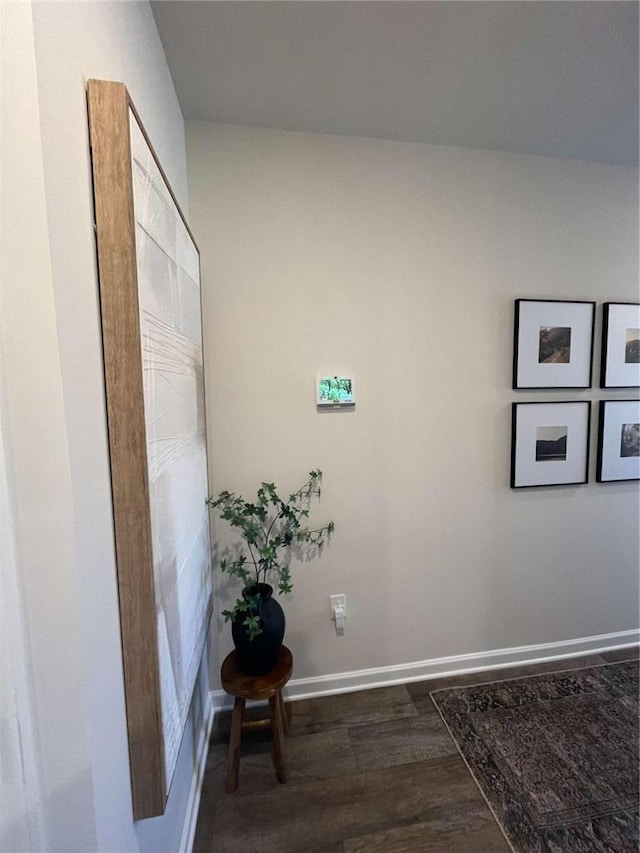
(338, 601)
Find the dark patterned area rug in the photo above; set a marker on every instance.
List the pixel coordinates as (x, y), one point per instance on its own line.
(556, 756)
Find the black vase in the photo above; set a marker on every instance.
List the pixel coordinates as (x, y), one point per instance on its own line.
(259, 656)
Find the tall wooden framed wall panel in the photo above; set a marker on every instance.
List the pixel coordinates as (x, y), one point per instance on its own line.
(149, 272)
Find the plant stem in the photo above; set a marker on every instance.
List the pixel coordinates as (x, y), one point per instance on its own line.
(266, 538)
(255, 564)
(303, 487)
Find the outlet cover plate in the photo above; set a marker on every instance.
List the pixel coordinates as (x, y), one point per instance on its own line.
(338, 601)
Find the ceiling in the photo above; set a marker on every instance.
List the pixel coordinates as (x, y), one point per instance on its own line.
(551, 78)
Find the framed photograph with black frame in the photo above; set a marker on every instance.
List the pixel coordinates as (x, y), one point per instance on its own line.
(552, 343)
(550, 444)
(620, 367)
(618, 441)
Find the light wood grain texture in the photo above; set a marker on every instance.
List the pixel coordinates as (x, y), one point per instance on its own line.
(115, 231)
(153, 722)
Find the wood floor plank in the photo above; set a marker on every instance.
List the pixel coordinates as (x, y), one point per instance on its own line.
(471, 831)
(622, 654)
(364, 803)
(316, 756)
(348, 709)
(338, 847)
(397, 742)
(205, 825)
(222, 721)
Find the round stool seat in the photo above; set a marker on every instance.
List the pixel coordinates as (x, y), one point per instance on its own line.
(237, 683)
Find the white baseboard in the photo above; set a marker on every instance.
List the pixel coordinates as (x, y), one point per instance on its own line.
(193, 804)
(363, 679)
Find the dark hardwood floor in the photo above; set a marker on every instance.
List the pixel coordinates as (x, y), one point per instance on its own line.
(372, 771)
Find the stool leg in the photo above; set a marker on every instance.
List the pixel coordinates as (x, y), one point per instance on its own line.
(283, 713)
(277, 744)
(233, 759)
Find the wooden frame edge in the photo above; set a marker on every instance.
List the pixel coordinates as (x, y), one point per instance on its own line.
(108, 108)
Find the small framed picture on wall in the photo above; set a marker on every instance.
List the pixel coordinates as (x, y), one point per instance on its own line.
(552, 343)
(550, 444)
(618, 441)
(620, 345)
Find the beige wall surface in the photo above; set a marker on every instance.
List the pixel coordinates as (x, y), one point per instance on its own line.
(38, 568)
(399, 264)
(54, 408)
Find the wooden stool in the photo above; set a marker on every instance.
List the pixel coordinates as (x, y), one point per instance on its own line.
(268, 686)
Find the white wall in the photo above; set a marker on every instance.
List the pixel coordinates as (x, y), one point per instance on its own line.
(38, 480)
(399, 264)
(20, 779)
(54, 409)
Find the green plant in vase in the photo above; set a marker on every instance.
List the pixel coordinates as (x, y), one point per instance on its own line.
(271, 527)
